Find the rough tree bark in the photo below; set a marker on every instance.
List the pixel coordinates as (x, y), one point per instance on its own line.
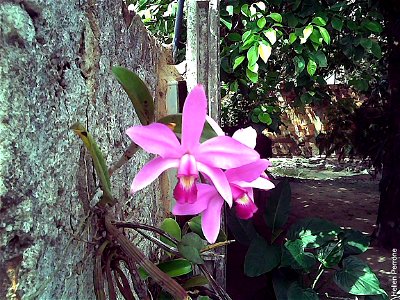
(388, 221)
(56, 59)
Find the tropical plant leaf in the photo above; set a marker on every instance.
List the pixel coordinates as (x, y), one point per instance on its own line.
(294, 256)
(330, 254)
(261, 257)
(314, 232)
(296, 292)
(98, 161)
(137, 92)
(356, 278)
(355, 242)
(243, 230)
(278, 205)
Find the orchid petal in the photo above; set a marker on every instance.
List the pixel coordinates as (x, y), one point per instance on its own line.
(259, 183)
(245, 207)
(211, 219)
(247, 172)
(156, 138)
(193, 118)
(219, 180)
(247, 136)
(226, 153)
(151, 171)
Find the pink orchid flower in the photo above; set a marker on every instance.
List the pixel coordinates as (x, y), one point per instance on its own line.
(189, 155)
(209, 202)
(241, 180)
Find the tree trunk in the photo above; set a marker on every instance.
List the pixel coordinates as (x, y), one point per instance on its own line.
(55, 69)
(388, 221)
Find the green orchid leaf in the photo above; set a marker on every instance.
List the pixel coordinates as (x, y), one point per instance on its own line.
(171, 227)
(355, 242)
(190, 246)
(194, 281)
(174, 268)
(137, 92)
(98, 161)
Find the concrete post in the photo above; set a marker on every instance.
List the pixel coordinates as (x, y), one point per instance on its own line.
(203, 63)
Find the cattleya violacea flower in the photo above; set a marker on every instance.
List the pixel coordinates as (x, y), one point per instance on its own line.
(189, 155)
(241, 180)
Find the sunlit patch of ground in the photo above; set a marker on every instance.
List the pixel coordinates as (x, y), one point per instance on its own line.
(342, 193)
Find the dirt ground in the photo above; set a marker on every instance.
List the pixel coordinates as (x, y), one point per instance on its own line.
(344, 194)
(351, 202)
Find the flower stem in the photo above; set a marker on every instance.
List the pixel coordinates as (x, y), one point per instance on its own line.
(320, 272)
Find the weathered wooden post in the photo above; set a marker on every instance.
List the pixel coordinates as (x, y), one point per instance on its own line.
(203, 65)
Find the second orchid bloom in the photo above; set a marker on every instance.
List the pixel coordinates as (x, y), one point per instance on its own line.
(230, 167)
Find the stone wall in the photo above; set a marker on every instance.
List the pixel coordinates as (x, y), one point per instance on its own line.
(55, 69)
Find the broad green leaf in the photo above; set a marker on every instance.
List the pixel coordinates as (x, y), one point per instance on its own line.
(359, 84)
(355, 242)
(366, 43)
(278, 206)
(195, 226)
(316, 37)
(325, 35)
(314, 232)
(330, 254)
(245, 10)
(98, 161)
(306, 33)
(226, 22)
(261, 257)
(253, 68)
(296, 292)
(174, 268)
(339, 6)
(234, 86)
(321, 59)
(264, 51)
(300, 64)
(242, 230)
(311, 67)
(265, 118)
(276, 17)
(271, 35)
(171, 227)
(261, 22)
(337, 23)
(234, 37)
(246, 35)
(373, 26)
(251, 75)
(238, 61)
(281, 281)
(137, 92)
(356, 278)
(175, 123)
(294, 256)
(292, 20)
(189, 247)
(319, 21)
(292, 37)
(252, 56)
(229, 9)
(376, 50)
(194, 281)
